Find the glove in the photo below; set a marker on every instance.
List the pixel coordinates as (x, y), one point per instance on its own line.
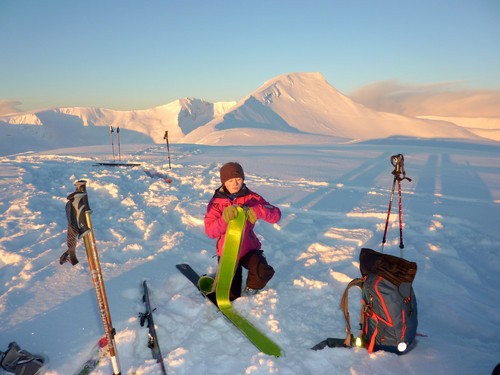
(251, 216)
(229, 213)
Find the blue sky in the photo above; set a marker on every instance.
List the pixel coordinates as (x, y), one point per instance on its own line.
(140, 54)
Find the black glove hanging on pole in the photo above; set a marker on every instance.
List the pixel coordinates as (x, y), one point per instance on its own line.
(76, 207)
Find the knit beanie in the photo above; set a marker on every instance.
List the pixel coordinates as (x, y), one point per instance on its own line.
(231, 170)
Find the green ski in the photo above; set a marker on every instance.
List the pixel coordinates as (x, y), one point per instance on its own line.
(224, 279)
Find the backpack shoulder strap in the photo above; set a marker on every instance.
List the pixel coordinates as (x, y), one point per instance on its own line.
(344, 305)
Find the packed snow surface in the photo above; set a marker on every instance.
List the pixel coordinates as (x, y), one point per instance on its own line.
(334, 201)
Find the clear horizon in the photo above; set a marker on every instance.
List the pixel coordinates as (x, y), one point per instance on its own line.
(437, 57)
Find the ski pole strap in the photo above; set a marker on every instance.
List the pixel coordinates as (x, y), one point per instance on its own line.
(143, 317)
(344, 305)
(76, 206)
(72, 234)
(398, 162)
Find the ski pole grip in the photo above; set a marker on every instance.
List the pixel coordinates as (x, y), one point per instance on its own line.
(81, 186)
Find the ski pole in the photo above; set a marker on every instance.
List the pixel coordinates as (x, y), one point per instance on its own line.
(401, 244)
(119, 151)
(399, 169)
(388, 214)
(112, 145)
(168, 148)
(83, 211)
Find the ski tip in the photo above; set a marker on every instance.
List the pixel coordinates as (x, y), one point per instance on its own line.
(274, 351)
(206, 284)
(277, 354)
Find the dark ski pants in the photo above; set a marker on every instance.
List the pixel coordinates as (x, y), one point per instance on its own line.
(259, 273)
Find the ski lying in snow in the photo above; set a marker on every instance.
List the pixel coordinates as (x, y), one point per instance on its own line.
(192, 276)
(118, 164)
(272, 349)
(98, 352)
(223, 282)
(152, 338)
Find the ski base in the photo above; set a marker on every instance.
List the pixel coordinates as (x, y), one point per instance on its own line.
(261, 341)
(224, 279)
(256, 337)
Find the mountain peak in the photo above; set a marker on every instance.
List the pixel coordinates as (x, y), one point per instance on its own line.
(306, 107)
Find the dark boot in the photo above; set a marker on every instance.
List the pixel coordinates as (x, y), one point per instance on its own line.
(259, 272)
(235, 291)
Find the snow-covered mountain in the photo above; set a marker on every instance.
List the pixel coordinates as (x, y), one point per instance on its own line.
(300, 108)
(179, 117)
(305, 107)
(42, 129)
(487, 127)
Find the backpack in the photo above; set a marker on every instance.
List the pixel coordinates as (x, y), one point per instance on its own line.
(388, 318)
(20, 362)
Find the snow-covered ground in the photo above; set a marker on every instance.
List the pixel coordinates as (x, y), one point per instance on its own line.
(334, 200)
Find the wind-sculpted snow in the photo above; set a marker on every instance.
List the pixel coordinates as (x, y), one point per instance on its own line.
(334, 201)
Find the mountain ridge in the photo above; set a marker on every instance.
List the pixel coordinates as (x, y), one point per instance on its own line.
(291, 108)
(306, 103)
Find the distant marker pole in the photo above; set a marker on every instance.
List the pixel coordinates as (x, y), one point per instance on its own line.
(165, 137)
(111, 131)
(119, 151)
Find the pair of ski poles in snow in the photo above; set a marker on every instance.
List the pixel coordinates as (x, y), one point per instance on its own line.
(111, 131)
(398, 162)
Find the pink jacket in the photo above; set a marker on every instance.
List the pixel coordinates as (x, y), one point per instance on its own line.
(215, 226)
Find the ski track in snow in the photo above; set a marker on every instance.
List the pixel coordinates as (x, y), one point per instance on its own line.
(334, 201)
